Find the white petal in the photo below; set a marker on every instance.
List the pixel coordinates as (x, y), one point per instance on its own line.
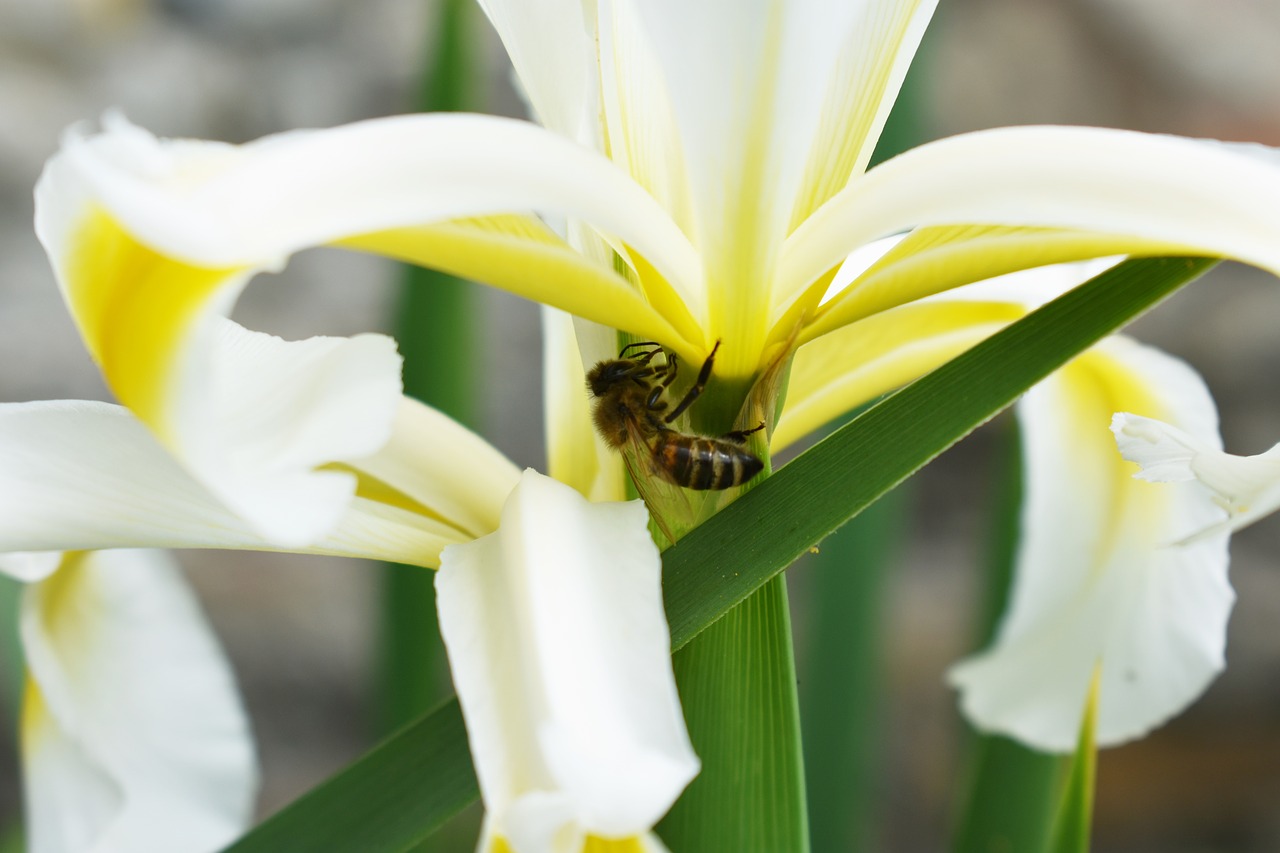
(274, 412)
(561, 657)
(639, 119)
(853, 364)
(1246, 487)
(30, 566)
(454, 473)
(863, 88)
(746, 81)
(576, 455)
(1208, 197)
(1097, 584)
(559, 80)
(134, 737)
(87, 476)
(255, 204)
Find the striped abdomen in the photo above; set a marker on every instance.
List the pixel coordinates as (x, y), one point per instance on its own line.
(697, 462)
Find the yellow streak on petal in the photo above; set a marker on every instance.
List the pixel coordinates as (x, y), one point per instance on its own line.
(377, 491)
(856, 364)
(520, 255)
(855, 106)
(931, 260)
(36, 725)
(596, 844)
(1098, 385)
(592, 844)
(135, 309)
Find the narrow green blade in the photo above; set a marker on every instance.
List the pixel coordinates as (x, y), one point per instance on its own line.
(434, 329)
(760, 534)
(1075, 817)
(389, 799)
(841, 677)
(1009, 791)
(407, 793)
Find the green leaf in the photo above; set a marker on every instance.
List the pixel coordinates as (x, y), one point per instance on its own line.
(434, 327)
(841, 594)
(1009, 791)
(389, 799)
(1071, 830)
(738, 690)
(757, 536)
(403, 794)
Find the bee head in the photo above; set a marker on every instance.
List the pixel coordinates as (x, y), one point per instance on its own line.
(606, 374)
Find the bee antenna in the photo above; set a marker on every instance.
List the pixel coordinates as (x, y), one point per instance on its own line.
(638, 345)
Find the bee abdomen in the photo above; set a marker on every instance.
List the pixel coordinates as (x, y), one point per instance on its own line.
(696, 462)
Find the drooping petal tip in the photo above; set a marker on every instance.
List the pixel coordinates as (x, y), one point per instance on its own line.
(1098, 586)
(134, 737)
(1243, 488)
(560, 654)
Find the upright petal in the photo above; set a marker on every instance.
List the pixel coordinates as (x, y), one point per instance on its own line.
(1097, 585)
(551, 50)
(575, 453)
(133, 735)
(641, 128)
(868, 74)
(746, 82)
(561, 657)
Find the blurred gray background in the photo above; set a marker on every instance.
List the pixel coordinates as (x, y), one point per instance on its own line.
(300, 630)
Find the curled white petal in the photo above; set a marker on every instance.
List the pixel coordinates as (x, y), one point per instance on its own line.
(1097, 585)
(1246, 487)
(134, 737)
(561, 658)
(1207, 196)
(254, 204)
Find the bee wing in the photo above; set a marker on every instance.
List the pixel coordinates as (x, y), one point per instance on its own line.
(669, 506)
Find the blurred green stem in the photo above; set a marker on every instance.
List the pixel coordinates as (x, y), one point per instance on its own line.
(1008, 802)
(842, 684)
(434, 327)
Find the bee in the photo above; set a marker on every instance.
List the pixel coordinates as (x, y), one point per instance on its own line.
(631, 413)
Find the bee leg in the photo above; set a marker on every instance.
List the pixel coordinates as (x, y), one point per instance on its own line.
(669, 371)
(739, 436)
(698, 384)
(654, 402)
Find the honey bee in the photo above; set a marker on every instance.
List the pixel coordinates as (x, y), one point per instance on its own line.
(631, 414)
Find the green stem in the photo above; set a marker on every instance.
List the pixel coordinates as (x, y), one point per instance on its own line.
(738, 688)
(841, 672)
(1009, 794)
(434, 330)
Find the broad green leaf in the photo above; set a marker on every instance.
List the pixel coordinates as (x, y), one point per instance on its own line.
(737, 684)
(395, 795)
